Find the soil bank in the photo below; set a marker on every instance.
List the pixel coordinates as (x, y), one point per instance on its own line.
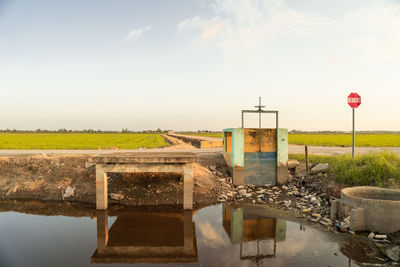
(49, 177)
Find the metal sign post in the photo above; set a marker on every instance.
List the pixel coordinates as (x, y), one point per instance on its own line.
(354, 135)
(354, 101)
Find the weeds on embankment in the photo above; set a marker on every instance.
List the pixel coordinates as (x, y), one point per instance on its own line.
(375, 169)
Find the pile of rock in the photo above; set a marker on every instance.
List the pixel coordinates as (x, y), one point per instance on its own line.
(390, 248)
(303, 195)
(289, 197)
(308, 197)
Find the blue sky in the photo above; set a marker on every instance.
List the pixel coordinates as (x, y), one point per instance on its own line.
(190, 65)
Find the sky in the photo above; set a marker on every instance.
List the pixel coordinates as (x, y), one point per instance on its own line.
(188, 65)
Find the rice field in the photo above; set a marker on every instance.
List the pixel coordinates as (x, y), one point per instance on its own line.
(80, 141)
(367, 140)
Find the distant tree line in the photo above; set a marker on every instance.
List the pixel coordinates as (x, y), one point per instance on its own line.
(63, 130)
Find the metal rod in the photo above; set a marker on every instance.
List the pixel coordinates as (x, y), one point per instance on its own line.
(257, 111)
(277, 147)
(307, 161)
(354, 139)
(259, 123)
(242, 118)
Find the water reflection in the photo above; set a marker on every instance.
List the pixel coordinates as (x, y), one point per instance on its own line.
(146, 237)
(253, 230)
(219, 235)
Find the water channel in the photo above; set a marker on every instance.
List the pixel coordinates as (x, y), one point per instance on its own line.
(218, 235)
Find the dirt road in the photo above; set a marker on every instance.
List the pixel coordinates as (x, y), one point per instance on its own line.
(93, 152)
(293, 149)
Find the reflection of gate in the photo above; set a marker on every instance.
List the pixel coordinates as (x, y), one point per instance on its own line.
(249, 224)
(258, 256)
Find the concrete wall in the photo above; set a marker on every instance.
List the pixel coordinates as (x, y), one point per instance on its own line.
(372, 208)
(283, 154)
(255, 162)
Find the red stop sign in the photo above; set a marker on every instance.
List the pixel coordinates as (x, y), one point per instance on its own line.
(354, 100)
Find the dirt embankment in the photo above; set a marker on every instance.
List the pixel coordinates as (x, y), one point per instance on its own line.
(51, 177)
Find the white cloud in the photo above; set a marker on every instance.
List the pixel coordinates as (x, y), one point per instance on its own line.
(244, 29)
(211, 236)
(135, 33)
(210, 28)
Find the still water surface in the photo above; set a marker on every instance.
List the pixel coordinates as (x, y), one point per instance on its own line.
(219, 235)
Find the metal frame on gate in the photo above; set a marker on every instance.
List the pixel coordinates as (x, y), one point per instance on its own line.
(259, 111)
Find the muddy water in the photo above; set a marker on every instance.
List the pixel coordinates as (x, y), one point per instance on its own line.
(220, 235)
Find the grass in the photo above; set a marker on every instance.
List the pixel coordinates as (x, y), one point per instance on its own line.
(369, 140)
(80, 141)
(375, 169)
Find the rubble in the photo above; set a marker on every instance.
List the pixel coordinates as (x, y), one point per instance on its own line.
(304, 199)
(344, 227)
(292, 163)
(371, 235)
(392, 252)
(309, 197)
(301, 170)
(320, 168)
(116, 196)
(69, 192)
(89, 164)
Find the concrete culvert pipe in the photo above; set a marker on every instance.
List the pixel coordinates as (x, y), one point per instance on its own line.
(371, 208)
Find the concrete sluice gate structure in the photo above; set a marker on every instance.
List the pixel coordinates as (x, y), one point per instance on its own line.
(370, 208)
(256, 156)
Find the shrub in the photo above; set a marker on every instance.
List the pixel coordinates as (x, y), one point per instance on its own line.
(375, 169)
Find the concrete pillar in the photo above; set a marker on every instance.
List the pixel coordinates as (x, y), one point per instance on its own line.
(101, 188)
(357, 219)
(188, 231)
(188, 186)
(102, 230)
(334, 209)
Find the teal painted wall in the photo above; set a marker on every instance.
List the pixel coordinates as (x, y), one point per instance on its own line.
(236, 225)
(238, 147)
(224, 148)
(280, 230)
(255, 166)
(282, 146)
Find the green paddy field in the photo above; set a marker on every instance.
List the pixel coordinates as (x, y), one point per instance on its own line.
(80, 141)
(368, 140)
(134, 141)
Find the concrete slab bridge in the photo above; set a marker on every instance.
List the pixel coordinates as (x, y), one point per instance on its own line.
(167, 162)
